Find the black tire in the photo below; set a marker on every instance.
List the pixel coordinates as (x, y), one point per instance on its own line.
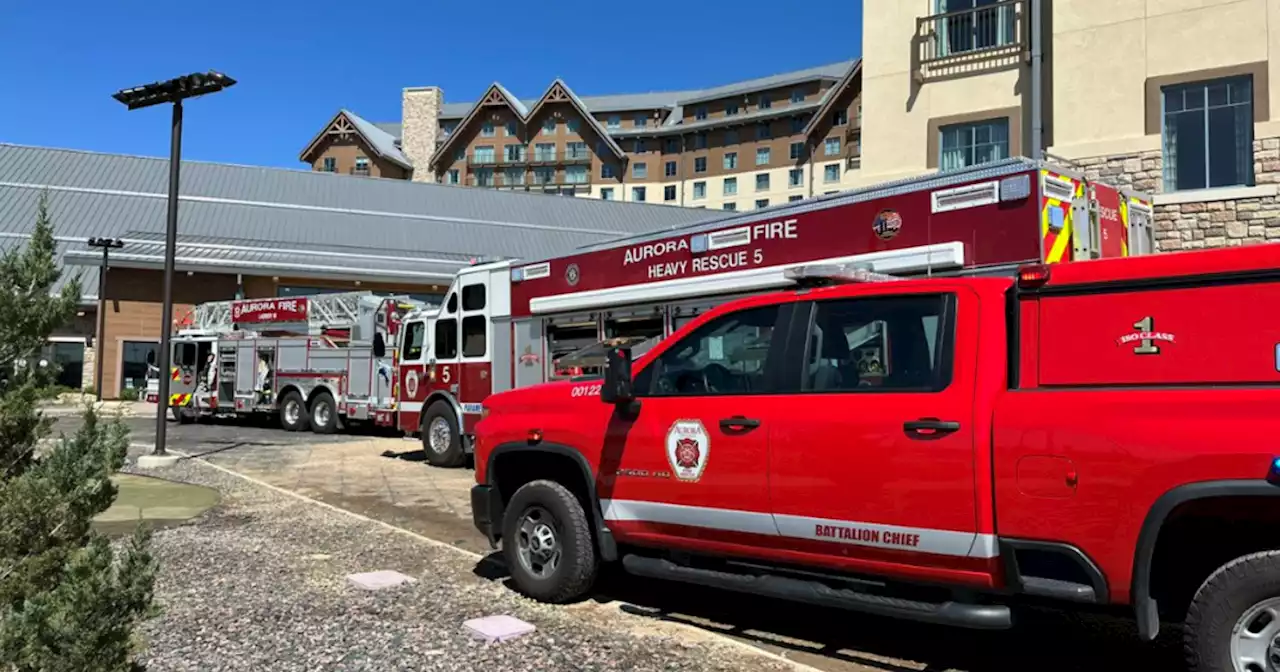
(324, 414)
(575, 573)
(174, 416)
(452, 455)
(290, 402)
(1222, 600)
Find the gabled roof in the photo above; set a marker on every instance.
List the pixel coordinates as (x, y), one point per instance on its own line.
(496, 94)
(829, 98)
(558, 92)
(246, 215)
(380, 142)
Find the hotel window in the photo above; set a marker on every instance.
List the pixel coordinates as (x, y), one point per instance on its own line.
(641, 121)
(576, 151)
(669, 169)
(362, 166)
(484, 177)
(447, 128)
(637, 194)
(793, 199)
(964, 145)
(730, 137)
(460, 155)
(669, 193)
(797, 125)
(795, 177)
(797, 96)
(544, 151)
(730, 186)
(544, 175)
(765, 102)
(700, 164)
(549, 127)
(487, 130)
(511, 129)
(514, 153)
(831, 147)
(453, 177)
(730, 109)
(831, 173)
(699, 190)
(575, 175)
(640, 147)
(607, 171)
(975, 25)
(513, 177)
(762, 182)
(729, 206)
(700, 113)
(673, 146)
(483, 154)
(797, 150)
(329, 165)
(840, 118)
(700, 141)
(639, 170)
(574, 125)
(614, 122)
(730, 160)
(762, 156)
(1208, 134)
(763, 132)
(762, 203)
(606, 194)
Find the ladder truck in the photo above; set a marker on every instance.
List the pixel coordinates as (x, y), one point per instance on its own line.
(316, 362)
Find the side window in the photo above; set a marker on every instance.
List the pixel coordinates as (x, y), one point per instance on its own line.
(473, 298)
(451, 304)
(446, 338)
(889, 344)
(411, 349)
(473, 335)
(728, 355)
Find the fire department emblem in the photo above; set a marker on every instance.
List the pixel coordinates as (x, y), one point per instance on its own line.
(411, 383)
(887, 224)
(528, 357)
(572, 275)
(688, 447)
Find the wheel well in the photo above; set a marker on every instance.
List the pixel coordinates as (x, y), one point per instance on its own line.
(431, 401)
(1200, 536)
(512, 470)
(316, 392)
(286, 390)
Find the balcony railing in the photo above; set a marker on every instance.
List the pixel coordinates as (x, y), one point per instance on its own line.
(483, 159)
(360, 171)
(990, 28)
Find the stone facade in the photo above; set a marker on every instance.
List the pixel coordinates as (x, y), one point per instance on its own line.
(89, 369)
(1199, 224)
(420, 119)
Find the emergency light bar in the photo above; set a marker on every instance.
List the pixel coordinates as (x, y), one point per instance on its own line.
(830, 274)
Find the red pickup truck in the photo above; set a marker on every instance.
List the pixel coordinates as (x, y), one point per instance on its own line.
(1102, 434)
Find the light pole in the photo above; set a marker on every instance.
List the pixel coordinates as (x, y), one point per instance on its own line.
(107, 244)
(172, 91)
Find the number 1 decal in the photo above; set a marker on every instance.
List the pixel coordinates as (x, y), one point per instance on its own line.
(1144, 337)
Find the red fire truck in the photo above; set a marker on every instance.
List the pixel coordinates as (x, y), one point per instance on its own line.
(512, 324)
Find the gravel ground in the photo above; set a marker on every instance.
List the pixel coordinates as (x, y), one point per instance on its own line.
(259, 583)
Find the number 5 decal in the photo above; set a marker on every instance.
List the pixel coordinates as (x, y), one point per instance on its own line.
(444, 374)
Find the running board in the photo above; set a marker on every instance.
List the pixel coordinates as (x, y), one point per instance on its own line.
(976, 616)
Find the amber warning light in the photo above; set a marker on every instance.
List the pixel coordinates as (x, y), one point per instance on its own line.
(1031, 277)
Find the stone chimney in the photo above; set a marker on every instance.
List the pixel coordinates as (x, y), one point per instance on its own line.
(420, 127)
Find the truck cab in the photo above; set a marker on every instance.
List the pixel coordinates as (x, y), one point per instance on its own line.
(941, 450)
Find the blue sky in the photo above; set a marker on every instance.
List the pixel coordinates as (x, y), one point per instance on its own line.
(299, 61)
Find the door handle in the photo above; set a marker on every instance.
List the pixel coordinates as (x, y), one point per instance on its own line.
(738, 423)
(930, 426)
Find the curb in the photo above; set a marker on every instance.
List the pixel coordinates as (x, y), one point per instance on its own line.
(734, 643)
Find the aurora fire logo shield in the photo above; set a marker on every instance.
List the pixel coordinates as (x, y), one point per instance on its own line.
(688, 447)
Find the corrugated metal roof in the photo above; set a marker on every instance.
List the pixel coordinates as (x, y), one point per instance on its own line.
(385, 144)
(95, 194)
(735, 120)
(829, 71)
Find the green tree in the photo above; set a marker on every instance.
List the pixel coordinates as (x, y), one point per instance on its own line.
(69, 601)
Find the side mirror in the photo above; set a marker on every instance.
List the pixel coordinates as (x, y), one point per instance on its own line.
(616, 388)
(379, 346)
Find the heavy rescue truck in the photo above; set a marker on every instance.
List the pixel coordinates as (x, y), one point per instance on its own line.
(1097, 435)
(514, 324)
(316, 362)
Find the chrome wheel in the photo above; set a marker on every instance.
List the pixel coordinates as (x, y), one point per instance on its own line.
(292, 411)
(1255, 639)
(537, 544)
(321, 414)
(439, 436)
